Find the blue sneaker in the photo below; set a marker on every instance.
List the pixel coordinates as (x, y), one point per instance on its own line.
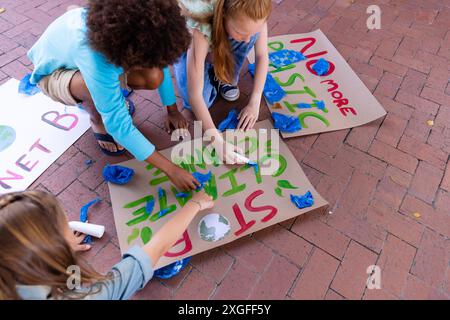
(227, 91)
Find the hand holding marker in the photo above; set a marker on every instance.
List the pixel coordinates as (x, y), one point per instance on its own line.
(246, 160)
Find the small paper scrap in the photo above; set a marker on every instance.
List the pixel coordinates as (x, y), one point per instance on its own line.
(84, 209)
(84, 216)
(318, 104)
(285, 57)
(273, 92)
(163, 212)
(230, 122)
(304, 106)
(173, 269)
(117, 174)
(285, 123)
(149, 206)
(202, 178)
(27, 88)
(304, 201)
(321, 67)
(160, 193)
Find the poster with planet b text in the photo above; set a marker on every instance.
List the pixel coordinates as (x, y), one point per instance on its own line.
(34, 132)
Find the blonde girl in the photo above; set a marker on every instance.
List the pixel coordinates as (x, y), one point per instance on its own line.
(224, 32)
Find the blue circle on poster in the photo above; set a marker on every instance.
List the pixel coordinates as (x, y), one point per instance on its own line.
(7, 137)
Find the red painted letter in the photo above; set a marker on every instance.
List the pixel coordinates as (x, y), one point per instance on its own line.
(240, 218)
(333, 85)
(311, 41)
(187, 246)
(346, 110)
(249, 207)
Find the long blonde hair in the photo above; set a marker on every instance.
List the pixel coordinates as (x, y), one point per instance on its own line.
(33, 249)
(223, 56)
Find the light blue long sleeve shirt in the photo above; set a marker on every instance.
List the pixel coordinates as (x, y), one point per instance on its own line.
(126, 278)
(65, 45)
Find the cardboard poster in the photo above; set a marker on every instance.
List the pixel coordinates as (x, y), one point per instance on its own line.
(247, 198)
(34, 132)
(346, 100)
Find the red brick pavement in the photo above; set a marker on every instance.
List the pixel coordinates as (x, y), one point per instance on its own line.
(388, 182)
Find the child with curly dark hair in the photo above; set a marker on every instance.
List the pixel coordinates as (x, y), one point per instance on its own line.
(89, 54)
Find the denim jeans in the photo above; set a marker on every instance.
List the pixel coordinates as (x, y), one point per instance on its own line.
(240, 52)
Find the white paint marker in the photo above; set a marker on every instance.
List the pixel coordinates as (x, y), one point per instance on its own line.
(240, 157)
(90, 229)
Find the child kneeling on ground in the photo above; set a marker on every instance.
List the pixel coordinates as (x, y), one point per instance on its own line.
(88, 54)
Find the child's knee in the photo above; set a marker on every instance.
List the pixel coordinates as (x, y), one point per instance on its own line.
(79, 89)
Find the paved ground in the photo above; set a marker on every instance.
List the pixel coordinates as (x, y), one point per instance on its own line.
(388, 182)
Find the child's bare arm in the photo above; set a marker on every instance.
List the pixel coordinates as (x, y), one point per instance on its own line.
(249, 115)
(166, 237)
(262, 65)
(195, 71)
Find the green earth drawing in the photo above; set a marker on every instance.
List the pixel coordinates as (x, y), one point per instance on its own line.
(7, 137)
(213, 227)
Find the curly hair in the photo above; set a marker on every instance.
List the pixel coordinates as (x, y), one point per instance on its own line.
(137, 33)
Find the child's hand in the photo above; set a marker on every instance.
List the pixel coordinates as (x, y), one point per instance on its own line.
(76, 242)
(182, 179)
(248, 116)
(175, 120)
(226, 151)
(204, 200)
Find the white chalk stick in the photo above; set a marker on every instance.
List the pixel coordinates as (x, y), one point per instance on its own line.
(94, 230)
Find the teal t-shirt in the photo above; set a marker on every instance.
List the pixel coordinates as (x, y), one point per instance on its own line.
(64, 45)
